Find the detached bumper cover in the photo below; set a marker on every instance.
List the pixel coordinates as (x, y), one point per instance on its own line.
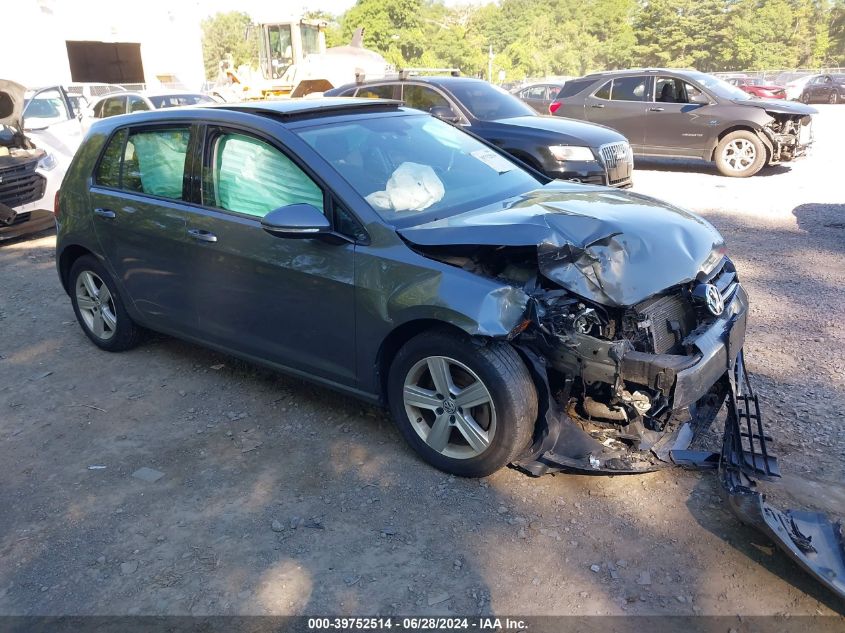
(811, 539)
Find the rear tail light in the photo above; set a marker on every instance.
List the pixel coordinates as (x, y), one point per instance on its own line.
(56, 205)
(554, 106)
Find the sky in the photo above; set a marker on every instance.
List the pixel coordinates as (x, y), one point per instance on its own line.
(284, 8)
(288, 8)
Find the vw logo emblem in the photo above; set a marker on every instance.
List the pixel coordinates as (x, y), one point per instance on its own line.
(713, 300)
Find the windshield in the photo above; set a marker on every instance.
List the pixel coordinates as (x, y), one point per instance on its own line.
(415, 169)
(718, 87)
(488, 102)
(276, 50)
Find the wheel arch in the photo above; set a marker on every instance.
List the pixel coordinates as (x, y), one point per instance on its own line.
(400, 335)
(68, 256)
(746, 127)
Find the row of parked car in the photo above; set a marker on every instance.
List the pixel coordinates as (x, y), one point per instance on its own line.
(808, 88)
(658, 112)
(40, 131)
(598, 124)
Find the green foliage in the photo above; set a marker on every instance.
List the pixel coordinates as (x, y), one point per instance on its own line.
(534, 38)
(836, 35)
(224, 35)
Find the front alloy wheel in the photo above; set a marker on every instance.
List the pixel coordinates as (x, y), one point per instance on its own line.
(740, 154)
(449, 407)
(467, 406)
(834, 97)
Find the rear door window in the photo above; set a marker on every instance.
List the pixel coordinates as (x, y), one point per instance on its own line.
(137, 104)
(147, 161)
(629, 88)
(114, 106)
(535, 92)
(247, 175)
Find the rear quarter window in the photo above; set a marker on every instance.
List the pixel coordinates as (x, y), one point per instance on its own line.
(603, 92)
(573, 87)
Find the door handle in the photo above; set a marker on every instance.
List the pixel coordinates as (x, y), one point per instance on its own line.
(597, 105)
(202, 235)
(105, 213)
(655, 109)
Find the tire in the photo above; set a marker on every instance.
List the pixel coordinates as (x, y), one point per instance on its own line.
(740, 154)
(500, 427)
(103, 319)
(834, 97)
(805, 98)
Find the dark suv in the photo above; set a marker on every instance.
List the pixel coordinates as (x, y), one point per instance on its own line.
(688, 114)
(825, 89)
(568, 150)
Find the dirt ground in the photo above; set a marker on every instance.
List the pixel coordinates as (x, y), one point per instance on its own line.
(279, 497)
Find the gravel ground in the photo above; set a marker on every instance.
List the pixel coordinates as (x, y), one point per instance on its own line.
(267, 495)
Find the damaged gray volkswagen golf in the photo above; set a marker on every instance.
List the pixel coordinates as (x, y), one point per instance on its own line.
(504, 318)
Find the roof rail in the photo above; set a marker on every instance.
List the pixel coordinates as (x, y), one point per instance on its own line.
(404, 73)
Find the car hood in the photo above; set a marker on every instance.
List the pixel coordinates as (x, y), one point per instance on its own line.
(561, 130)
(778, 105)
(11, 103)
(612, 247)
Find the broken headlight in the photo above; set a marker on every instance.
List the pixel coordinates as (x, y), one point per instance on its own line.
(570, 316)
(48, 163)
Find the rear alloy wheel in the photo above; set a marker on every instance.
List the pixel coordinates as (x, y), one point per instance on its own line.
(740, 154)
(98, 307)
(467, 409)
(805, 98)
(834, 97)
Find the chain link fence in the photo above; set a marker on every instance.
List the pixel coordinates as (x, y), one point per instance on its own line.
(781, 75)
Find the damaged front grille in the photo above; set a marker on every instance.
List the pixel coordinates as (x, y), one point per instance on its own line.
(21, 185)
(659, 325)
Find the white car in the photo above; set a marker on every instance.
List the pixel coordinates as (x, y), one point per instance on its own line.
(795, 87)
(128, 102)
(39, 134)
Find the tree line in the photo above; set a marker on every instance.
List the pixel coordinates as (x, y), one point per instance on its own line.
(535, 38)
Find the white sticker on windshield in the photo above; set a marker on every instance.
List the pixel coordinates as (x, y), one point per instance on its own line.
(493, 160)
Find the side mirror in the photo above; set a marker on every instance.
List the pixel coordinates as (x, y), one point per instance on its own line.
(445, 113)
(700, 99)
(296, 220)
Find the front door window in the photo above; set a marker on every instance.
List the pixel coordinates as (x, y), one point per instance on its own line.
(251, 177)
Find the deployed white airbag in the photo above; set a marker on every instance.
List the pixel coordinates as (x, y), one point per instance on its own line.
(412, 187)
